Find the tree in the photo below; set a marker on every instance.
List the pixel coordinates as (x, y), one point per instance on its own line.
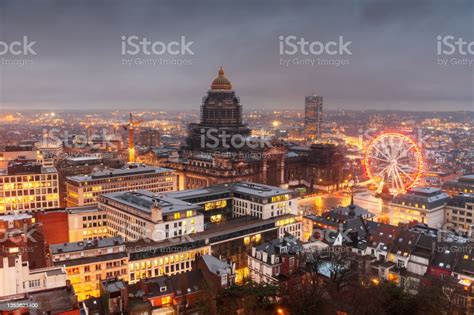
(251, 297)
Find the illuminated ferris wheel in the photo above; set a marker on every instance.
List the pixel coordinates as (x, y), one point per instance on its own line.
(393, 160)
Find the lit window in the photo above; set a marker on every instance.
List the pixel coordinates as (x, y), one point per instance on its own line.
(166, 300)
(177, 216)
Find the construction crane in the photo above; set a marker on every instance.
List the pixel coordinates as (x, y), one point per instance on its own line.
(132, 124)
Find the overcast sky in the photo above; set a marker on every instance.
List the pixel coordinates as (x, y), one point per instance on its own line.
(79, 62)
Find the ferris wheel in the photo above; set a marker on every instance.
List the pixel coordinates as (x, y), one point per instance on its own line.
(393, 160)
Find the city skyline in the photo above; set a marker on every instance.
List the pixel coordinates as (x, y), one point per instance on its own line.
(81, 65)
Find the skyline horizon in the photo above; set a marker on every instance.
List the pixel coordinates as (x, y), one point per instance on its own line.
(274, 55)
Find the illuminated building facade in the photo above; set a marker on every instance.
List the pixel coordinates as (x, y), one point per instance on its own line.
(228, 219)
(86, 223)
(73, 166)
(85, 190)
(218, 150)
(420, 204)
(313, 117)
(26, 186)
(464, 184)
(89, 262)
(143, 214)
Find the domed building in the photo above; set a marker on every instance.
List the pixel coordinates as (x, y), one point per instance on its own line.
(221, 118)
(210, 157)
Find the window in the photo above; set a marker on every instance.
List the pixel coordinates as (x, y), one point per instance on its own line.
(177, 216)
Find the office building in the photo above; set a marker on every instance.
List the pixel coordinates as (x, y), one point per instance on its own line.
(26, 186)
(84, 190)
(459, 214)
(228, 220)
(86, 223)
(420, 204)
(313, 117)
(463, 185)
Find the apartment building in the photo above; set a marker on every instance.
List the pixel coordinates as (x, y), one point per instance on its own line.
(271, 260)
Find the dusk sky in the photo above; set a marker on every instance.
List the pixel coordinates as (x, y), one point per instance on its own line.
(79, 62)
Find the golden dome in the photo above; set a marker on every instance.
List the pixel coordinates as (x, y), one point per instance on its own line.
(221, 82)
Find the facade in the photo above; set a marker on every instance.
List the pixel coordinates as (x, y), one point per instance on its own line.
(143, 214)
(55, 225)
(23, 266)
(86, 223)
(318, 167)
(421, 204)
(73, 166)
(26, 186)
(89, 262)
(149, 138)
(218, 273)
(313, 117)
(464, 185)
(19, 279)
(273, 261)
(459, 214)
(85, 190)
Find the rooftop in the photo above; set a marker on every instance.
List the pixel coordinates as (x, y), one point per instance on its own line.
(144, 201)
(130, 170)
(85, 245)
(74, 210)
(215, 265)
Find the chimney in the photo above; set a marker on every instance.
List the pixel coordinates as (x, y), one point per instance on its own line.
(156, 212)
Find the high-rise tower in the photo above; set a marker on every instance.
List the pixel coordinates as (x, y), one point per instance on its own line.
(313, 117)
